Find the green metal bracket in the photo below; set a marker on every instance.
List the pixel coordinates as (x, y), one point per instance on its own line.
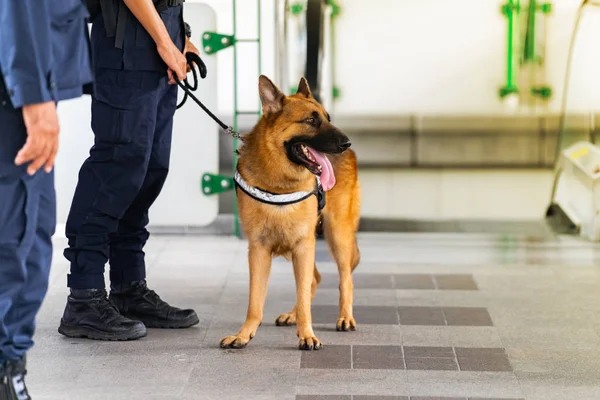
(544, 92)
(545, 8)
(506, 90)
(214, 42)
(293, 90)
(336, 9)
(215, 184)
(336, 92)
(509, 7)
(296, 8)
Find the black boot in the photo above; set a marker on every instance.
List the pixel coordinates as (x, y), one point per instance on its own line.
(89, 314)
(136, 301)
(12, 381)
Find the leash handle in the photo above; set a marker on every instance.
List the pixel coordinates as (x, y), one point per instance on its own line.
(193, 58)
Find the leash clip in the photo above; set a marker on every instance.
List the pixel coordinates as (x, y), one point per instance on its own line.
(232, 133)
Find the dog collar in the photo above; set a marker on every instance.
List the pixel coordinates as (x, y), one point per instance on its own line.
(280, 199)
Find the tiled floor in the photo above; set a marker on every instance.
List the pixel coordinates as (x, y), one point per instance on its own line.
(440, 316)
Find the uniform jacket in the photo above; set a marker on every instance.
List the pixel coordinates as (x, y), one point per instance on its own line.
(44, 50)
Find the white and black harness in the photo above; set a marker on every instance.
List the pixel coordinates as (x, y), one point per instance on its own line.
(280, 199)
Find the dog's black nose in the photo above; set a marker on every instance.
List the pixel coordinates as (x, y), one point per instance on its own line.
(344, 145)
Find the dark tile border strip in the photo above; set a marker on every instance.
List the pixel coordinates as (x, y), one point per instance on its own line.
(405, 281)
(408, 358)
(407, 315)
(376, 397)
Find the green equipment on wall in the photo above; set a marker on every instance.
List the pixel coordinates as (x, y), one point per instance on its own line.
(511, 10)
(520, 53)
(212, 43)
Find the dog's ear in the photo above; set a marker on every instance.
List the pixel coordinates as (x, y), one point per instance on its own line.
(303, 88)
(270, 96)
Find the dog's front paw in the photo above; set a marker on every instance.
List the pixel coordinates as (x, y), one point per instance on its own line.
(235, 342)
(310, 343)
(286, 319)
(345, 324)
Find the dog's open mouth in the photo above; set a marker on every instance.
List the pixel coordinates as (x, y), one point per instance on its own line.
(317, 163)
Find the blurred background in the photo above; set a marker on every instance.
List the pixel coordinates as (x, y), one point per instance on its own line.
(459, 111)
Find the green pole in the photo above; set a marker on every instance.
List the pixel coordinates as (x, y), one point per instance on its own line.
(530, 34)
(512, 26)
(511, 10)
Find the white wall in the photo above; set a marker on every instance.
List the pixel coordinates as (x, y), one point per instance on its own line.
(420, 56)
(455, 194)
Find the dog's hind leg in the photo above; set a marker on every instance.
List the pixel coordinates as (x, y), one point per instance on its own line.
(342, 245)
(259, 259)
(290, 318)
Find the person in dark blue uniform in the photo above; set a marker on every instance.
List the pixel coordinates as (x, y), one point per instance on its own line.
(44, 58)
(137, 47)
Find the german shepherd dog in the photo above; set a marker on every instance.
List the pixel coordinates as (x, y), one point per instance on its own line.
(292, 144)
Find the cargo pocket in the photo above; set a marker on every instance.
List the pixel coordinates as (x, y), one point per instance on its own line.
(112, 125)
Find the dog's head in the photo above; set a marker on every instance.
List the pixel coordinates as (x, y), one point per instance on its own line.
(301, 128)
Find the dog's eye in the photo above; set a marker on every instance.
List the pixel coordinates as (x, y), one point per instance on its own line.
(311, 121)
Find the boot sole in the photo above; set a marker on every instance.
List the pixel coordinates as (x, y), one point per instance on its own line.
(162, 324)
(87, 332)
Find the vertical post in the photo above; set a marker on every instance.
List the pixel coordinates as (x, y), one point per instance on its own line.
(236, 217)
(511, 11)
(510, 78)
(236, 111)
(258, 39)
(529, 55)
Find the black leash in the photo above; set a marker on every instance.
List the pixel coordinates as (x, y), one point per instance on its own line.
(193, 58)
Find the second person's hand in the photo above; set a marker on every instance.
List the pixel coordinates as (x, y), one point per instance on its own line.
(41, 121)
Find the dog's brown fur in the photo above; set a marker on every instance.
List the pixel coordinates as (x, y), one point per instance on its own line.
(289, 231)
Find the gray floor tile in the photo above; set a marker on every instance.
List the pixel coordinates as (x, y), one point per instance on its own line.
(492, 360)
(377, 357)
(488, 398)
(436, 398)
(360, 281)
(329, 357)
(429, 352)
(323, 397)
(455, 282)
(462, 336)
(363, 335)
(463, 383)
(354, 381)
(431, 364)
(367, 315)
(380, 398)
(414, 281)
(430, 316)
(467, 316)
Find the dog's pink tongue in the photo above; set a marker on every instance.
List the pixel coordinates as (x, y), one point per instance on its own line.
(327, 176)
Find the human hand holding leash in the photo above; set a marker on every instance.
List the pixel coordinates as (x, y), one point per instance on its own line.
(174, 59)
(41, 121)
(146, 13)
(190, 48)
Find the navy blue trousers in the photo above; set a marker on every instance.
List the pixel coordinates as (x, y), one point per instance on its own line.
(27, 223)
(132, 120)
